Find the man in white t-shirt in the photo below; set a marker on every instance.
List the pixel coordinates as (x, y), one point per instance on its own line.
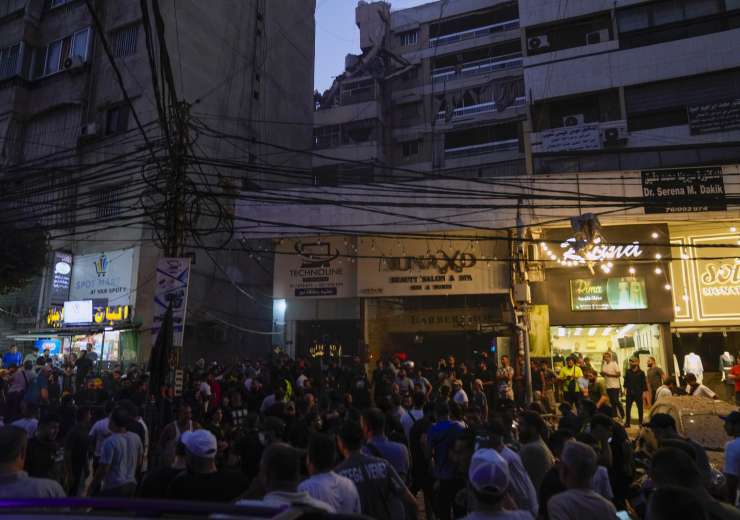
(458, 394)
(695, 388)
(578, 465)
(665, 390)
(611, 374)
(324, 484)
(409, 417)
(120, 457)
(732, 455)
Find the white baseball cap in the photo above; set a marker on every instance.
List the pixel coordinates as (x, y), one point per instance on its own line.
(200, 443)
(489, 472)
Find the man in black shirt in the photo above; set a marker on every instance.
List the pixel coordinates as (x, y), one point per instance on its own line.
(41, 456)
(84, 365)
(635, 383)
(157, 482)
(76, 448)
(202, 481)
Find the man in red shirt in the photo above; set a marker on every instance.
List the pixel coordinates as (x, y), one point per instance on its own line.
(734, 375)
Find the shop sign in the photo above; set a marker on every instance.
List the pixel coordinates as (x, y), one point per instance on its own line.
(105, 276)
(717, 277)
(173, 278)
(61, 277)
(111, 315)
(601, 252)
(431, 267)
(441, 320)
(608, 294)
(323, 350)
(315, 268)
(577, 137)
(78, 312)
(714, 117)
(683, 190)
(53, 346)
(55, 316)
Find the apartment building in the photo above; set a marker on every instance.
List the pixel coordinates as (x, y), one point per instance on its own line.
(631, 85)
(437, 88)
(61, 108)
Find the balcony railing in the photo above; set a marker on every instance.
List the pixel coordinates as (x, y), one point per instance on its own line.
(471, 34)
(480, 149)
(474, 68)
(480, 108)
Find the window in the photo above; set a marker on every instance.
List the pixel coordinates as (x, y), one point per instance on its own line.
(108, 202)
(10, 60)
(571, 34)
(410, 148)
(326, 136)
(670, 20)
(116, 119)
(51, 59)
(123, 41)
(409, 38)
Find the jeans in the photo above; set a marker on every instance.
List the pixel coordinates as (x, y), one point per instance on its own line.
(614, 401)
(448, 489)
(636, 399)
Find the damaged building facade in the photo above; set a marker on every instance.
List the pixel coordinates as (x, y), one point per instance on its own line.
(437, 88)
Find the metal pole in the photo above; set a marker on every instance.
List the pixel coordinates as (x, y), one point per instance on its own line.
(527, 363)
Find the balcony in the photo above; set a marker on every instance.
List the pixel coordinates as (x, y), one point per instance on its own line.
(472, 34)
(480, 108)
(475, 68)
(481, 149)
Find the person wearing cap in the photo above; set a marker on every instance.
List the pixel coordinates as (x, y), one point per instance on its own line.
(663, 427)
(202, 481)
(578, 464)
(488, 482)
(120, 457)
(732, 455)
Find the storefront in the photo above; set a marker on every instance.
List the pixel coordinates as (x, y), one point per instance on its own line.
(316, 312)
(379, 296)
(613, 296)
(706, 277)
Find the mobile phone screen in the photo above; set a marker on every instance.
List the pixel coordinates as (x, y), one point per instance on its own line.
(623, 515)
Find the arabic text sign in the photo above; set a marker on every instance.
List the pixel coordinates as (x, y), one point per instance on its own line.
(683, 190)
(173, 275)
(579, 137)
(103, 276)
(714, 117)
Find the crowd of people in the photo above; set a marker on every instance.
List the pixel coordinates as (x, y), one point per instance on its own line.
(401, 440)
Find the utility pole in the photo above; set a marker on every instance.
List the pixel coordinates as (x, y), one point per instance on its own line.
(177, 181)
(521, 299)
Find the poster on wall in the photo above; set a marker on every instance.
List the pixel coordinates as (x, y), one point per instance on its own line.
(103, 276)
(717, 276)
(539, 331)
(608, 294)
(173, 277)
(709, 118)
(315, 268)
(387, 267)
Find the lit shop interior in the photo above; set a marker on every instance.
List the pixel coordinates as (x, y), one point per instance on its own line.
(624, 341)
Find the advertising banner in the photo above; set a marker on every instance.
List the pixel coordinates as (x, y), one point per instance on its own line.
(103, 276)
(608, 294)
(61, 278)
(714, 117)
(717, 275)
(315, 268)
(684, 190)
(173, 276)
(578, 137)
(388, 267)
(78, 312)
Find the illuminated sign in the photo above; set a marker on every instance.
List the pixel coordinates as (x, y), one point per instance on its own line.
(78, 312)
(55, 316)
(610, 294)
(320, 350)
(111, 314)
(61, 277)
(597, 253)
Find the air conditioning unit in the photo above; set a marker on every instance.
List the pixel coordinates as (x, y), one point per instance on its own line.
(89, 130)
(573, 120)
(73, 62)
(594, 37)
(536, 43)
(614, 134)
